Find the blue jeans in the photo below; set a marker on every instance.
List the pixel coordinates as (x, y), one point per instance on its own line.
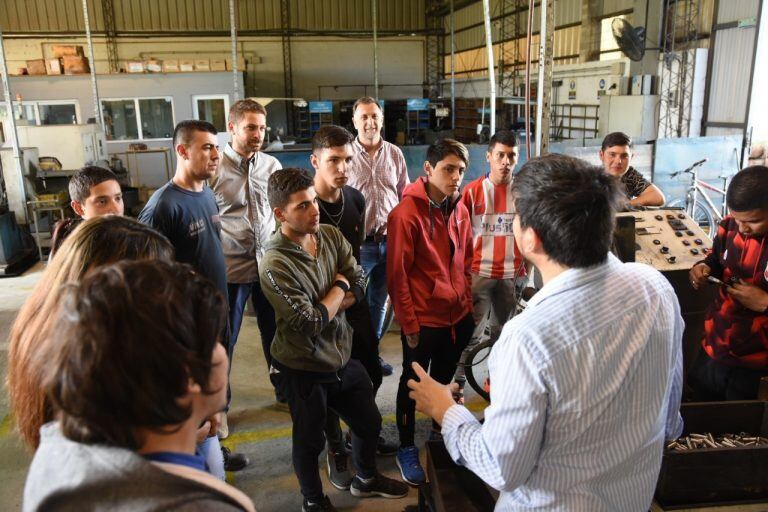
(265, 318)
(373, 259)
(210, 450)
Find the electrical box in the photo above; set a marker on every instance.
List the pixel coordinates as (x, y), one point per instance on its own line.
(637, 116)
(74, 145)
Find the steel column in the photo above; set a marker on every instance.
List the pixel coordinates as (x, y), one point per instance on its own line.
(233, 39)
(491, 74)
(544, 89)
(97, 111)
(17, 172)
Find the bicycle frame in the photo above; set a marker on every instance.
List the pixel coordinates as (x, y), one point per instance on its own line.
(700, 187)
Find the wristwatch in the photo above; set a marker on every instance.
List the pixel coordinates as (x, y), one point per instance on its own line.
(341, 284)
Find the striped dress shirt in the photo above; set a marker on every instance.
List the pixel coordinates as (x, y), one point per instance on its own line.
(380, 179)
(585, 387)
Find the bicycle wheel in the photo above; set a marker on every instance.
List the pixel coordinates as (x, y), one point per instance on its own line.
(475, 368)
(702, 215)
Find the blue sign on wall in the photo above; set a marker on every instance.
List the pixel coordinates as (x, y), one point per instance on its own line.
(417, 104)
(321, 107)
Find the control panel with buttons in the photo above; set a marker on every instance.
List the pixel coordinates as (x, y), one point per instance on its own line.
(668, 239)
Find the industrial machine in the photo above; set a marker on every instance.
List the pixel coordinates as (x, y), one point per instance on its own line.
(74, 145)
(671, 242)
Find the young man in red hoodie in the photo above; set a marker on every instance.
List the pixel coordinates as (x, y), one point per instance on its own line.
(429, 258)
(735, 346)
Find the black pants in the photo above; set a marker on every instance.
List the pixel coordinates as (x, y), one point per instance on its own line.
(352, 399)
(713, 381)
(365, 348)
(440, 349)
(265, 318)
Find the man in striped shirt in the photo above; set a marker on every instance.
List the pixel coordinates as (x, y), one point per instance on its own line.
(379, 172)
(496, 262)
(586, 382)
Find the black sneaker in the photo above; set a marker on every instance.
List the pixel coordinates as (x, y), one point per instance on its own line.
(338, 470)
(379, 485)
(324, 505)
(383, 447)
(234, 461)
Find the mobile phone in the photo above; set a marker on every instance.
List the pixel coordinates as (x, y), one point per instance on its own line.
(715, 280)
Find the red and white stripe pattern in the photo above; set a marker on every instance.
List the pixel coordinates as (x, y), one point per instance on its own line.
(491, 206)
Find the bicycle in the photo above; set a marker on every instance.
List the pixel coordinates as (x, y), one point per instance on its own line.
(705, 213)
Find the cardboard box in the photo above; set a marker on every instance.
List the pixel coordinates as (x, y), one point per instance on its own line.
(154, 66)
(134, 66)
(202, 64)
(36, 67)
(186, 65)
(170, 66)
(75, 65)
(240, 64)
(54, 66)
(218, 64)
(60, 50)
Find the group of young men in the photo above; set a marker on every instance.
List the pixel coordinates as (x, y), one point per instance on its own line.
(565, 427)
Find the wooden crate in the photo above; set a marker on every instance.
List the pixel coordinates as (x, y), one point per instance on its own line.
(717, 476)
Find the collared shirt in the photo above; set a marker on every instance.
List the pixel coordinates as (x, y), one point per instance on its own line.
(585, 386)
(247, 221)
(381, 180)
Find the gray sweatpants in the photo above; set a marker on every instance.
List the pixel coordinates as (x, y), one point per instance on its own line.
(492, 303)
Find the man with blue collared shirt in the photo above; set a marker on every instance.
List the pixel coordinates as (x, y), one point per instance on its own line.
(583, 394)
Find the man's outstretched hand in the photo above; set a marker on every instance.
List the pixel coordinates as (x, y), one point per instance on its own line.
(432, 398)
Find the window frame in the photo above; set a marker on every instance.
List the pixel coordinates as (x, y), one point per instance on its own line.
(140, 130)
(35, 104)
(196, 97)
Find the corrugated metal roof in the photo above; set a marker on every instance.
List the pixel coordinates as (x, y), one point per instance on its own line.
(735, 10)
(614, 6)
(25, 16)
(729, 85)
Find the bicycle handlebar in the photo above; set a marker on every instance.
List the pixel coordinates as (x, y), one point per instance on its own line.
(691, 168)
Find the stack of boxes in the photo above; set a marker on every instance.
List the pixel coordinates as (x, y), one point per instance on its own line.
(67, 60)
(152, 65)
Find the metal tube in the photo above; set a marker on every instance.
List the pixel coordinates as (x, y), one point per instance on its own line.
(233, 39)
(491, 74)
(375, 51)
(22, 216)
(544, 88)
(453, 72)
(97, 111)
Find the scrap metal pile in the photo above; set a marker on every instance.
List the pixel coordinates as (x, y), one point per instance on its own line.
(709, 441)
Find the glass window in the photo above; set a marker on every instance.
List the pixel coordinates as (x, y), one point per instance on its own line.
(156, 118)
(213, 110)
(58, 114)
(120, 121)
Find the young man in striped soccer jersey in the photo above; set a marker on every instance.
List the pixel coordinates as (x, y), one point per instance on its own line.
(496, 261)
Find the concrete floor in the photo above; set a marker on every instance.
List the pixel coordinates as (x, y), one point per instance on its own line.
(257, 428)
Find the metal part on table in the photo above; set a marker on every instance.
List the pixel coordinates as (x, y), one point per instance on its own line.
(708, 441)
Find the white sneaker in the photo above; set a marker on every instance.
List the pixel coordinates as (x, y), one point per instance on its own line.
(223, 431)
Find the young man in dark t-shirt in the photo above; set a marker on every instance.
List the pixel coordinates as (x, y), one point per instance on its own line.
(616, 155)
(343, 207)
(185, 211)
